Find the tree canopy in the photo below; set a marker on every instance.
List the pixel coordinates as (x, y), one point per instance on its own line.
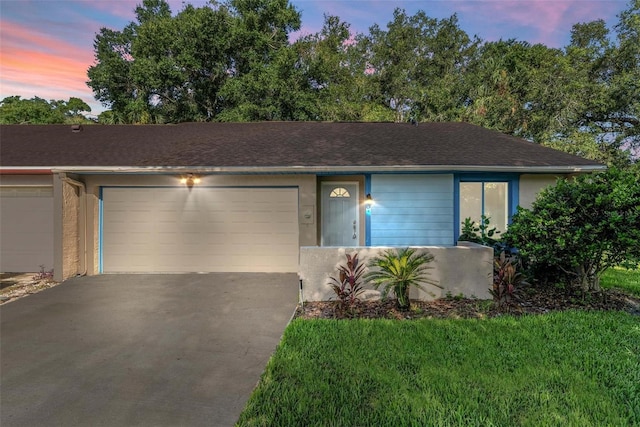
(15, 110)
(233, 61)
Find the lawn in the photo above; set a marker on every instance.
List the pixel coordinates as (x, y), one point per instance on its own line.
(627, 280)
(575, 368)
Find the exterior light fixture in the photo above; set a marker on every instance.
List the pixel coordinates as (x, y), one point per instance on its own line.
(190, 180)
(368, 201)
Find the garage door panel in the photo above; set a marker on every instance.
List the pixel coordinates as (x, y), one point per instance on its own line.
(26, 224)
(200, 229)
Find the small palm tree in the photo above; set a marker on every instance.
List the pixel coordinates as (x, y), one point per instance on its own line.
(398, 270)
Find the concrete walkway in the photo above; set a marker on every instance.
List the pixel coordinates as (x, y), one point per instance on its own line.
(147, 350)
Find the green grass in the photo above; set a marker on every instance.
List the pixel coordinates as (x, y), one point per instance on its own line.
(621, 278)
(563, 369)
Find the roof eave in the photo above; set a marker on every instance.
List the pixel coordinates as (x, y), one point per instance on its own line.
(559, 169)
(21, 170)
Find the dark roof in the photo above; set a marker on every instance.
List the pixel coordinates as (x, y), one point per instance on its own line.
(274, 144)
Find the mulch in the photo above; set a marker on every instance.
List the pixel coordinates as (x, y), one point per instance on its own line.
(534, 301)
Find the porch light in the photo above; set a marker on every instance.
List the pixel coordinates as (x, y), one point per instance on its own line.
(368, 202)
(190, 180)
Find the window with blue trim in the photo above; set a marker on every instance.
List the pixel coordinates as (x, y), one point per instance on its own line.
(485, 198)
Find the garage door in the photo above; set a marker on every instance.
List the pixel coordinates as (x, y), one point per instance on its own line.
(199, 230)
(26, 229)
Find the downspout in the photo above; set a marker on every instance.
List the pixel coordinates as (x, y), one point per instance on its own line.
(83, 219)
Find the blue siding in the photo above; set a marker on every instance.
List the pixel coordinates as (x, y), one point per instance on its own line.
(412, 210)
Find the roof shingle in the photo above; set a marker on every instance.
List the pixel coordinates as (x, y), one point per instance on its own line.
(274, 144)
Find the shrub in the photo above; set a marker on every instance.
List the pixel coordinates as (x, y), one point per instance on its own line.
(480, 233)
(348, 285)
(578, 228)
(399, 270)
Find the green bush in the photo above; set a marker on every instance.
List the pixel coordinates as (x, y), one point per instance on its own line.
(578, 228)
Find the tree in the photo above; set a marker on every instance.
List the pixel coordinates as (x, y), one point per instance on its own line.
(265, 82)
(395, 58)
(416, 66)
(578, 228)
(14, 110)
(164, 68)
(600, 118)
(334, 72)
(444, 90)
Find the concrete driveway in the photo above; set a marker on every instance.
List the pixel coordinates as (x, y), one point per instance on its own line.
(155, 350)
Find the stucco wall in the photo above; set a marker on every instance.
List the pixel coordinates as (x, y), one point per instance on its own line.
(464, 269)
(531, 185)
(306, 192)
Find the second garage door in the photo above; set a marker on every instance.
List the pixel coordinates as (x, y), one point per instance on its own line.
(199, 229)
(26, 221)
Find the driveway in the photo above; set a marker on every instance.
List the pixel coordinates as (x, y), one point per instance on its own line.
(155, 350)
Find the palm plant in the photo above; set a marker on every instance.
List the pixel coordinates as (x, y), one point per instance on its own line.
(399, 270)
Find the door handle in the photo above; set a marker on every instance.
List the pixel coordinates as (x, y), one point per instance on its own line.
(354, 230)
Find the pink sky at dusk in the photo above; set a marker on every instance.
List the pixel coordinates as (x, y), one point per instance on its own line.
(46, 46)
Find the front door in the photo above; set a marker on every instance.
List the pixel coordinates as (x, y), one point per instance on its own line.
(340, 224)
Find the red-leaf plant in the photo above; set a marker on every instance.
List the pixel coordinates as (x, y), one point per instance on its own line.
(506, 279)
(348, 285)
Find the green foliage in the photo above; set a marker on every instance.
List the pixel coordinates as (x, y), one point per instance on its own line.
(578, 228)
(348, 285)
(481, 233)
(561, 369)
(14, 110)
(507, 279)
(398, 270)
(333, 71)
(416, 65)
(197, 64)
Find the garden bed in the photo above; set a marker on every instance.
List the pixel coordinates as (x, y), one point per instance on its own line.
(538, 301)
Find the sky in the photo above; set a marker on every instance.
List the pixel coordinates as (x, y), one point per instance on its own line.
(46, 46)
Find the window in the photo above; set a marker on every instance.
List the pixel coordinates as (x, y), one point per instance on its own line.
(339, 192)
(488, 198)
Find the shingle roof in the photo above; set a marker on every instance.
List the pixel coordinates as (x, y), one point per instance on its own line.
(274, 144)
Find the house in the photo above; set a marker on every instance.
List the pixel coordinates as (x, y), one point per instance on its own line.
(202, 197)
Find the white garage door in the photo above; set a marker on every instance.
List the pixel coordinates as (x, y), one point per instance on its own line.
(26, 229)
(199, 229)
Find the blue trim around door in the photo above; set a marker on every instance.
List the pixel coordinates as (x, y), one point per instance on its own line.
(100, 231)
(367, 212)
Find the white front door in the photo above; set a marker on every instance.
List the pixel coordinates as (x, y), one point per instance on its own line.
(340, 224)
